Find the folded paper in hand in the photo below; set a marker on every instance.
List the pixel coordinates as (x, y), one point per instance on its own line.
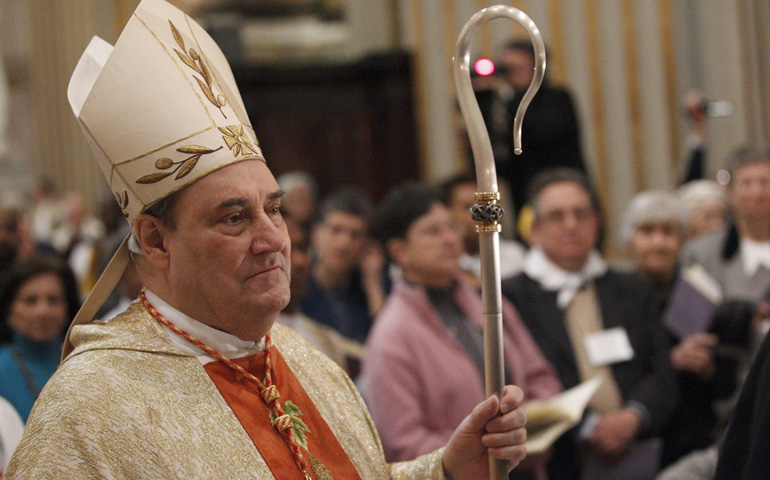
(693, 302)
(547, 420)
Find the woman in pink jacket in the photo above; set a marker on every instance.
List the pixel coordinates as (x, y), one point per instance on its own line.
(423, 366)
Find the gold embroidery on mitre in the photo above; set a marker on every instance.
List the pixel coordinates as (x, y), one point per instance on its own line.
(123, 202)
(237, 141)
(194, 60)
(182, 167)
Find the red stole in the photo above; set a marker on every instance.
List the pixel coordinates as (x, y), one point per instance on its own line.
(253, 414)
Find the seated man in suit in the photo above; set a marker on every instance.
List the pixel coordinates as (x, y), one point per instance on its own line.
(591, 320)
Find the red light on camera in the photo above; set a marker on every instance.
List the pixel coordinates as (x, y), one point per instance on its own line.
(484, 67)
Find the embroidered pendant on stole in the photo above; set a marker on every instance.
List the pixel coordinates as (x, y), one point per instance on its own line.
(321, 472)
(301, 432)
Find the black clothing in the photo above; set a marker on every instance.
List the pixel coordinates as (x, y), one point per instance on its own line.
(550, 137)
(745, 453)
(695, 168)
(625, 300)
(344, 309)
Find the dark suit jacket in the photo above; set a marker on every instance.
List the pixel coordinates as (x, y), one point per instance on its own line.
(745, 452)
(626, 300)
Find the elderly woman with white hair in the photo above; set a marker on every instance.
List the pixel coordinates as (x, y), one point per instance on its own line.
(654, 228)
(705, 205)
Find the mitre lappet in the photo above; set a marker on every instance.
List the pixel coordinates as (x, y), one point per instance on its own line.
(160, 110)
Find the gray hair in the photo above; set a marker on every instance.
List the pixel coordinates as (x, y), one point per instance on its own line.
(654, 206)
(133, 245)
(163, 210)
(699, 192)
(290, 180)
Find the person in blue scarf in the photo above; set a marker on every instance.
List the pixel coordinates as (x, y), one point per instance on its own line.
(38, 299)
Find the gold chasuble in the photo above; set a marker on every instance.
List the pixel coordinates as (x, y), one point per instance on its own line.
(328, 459)
(129, 404)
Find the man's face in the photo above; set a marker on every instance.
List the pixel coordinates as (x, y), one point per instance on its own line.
(430, 253)
(566, 226)
(229, 253)
(340, 240)
(462, 199)
(519, 68)
(655, 248)
(750, 191)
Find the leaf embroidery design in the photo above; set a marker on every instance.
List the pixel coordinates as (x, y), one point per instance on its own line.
(122, 201)
(237, 141)
(181, 167)
(300, 430)
(194, 60)
(298, 427)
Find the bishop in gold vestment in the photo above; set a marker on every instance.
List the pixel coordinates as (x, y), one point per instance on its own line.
(129, 404)
(195, 380)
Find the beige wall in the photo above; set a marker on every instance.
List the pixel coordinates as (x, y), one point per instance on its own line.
(42, 41)
(628, 63)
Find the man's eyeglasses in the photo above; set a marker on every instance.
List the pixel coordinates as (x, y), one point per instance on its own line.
(560, 216)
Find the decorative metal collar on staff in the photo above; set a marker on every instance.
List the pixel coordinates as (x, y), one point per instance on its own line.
(487, 212)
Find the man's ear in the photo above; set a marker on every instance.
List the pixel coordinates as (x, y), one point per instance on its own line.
(534, 233)
(151, 235)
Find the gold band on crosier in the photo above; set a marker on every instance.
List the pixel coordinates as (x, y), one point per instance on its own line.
(487, 197)
(487, 226)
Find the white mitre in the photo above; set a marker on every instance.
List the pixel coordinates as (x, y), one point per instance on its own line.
(160, 110)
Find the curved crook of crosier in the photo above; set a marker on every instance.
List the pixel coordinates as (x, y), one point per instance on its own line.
(486, 212)
(482, 148)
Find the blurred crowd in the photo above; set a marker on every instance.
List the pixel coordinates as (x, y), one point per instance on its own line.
(391, 292)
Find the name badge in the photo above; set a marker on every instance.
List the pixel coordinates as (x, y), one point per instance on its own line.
(608, 347)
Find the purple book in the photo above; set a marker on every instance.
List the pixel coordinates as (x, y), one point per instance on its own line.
(693, 301)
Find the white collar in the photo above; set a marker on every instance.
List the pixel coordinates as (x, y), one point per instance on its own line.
(538, 267)
(754, 255)
(225, 343)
